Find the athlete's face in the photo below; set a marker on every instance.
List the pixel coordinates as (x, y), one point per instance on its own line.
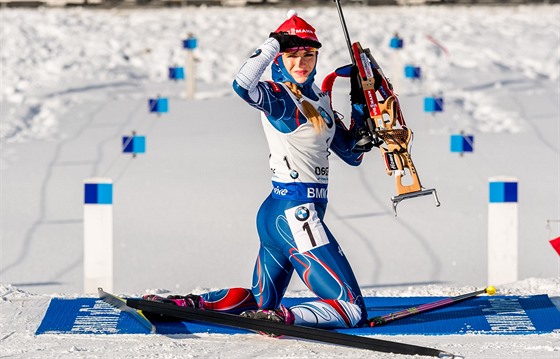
(300, 64)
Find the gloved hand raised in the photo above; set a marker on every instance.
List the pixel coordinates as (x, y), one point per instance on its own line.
(288, 41)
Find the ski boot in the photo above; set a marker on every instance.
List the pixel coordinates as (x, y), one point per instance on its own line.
(189, 300)
(280, 315)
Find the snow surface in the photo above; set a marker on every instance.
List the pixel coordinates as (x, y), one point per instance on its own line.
(75, 81)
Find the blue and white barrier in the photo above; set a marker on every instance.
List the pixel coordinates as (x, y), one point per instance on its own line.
(462, 143)
(158, 105)
(98, 234)
(502, 230)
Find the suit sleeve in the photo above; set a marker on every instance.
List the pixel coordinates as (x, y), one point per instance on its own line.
(343, 142)
(247, 82)
(268, 97)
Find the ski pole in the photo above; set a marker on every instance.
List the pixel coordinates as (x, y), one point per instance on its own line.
(345, 30)
(384, 319)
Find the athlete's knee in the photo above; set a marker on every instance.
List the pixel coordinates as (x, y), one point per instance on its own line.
(329, 313)
(352, 314)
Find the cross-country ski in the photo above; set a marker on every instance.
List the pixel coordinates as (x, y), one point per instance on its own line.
(168, 311)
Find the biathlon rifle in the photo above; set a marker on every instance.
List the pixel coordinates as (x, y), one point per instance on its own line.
(385, 124)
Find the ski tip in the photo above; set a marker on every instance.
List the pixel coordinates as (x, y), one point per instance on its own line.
(490, 290)
(445, 355)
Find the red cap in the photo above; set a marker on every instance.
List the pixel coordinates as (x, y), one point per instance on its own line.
(295, 25)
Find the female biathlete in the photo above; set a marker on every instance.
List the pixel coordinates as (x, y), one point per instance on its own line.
(301, 129)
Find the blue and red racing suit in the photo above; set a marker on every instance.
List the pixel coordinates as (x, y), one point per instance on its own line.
(290, 221)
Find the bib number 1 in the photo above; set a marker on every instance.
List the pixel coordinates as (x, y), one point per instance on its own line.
(307, 229)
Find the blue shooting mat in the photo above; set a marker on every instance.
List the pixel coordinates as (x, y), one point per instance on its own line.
(481, 315)
(87, 316)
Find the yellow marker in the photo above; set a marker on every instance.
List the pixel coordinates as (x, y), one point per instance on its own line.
(490, 290)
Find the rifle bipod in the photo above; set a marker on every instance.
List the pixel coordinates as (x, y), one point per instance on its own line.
(425, 192)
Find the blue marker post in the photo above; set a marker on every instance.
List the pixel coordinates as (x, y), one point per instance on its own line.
(98, 234)
(462, 143)
(396, 42)
(433, 104)
(190, 44)
(134, 144)
(502, 230)
(412, 72)
(158, 105)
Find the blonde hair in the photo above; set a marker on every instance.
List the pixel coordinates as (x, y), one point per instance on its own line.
(309, 111)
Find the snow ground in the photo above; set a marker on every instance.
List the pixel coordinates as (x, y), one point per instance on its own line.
(75, 81)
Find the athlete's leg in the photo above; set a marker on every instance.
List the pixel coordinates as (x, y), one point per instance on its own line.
(321, 264)
(231, 300)
(271, 274)
(273, 269)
